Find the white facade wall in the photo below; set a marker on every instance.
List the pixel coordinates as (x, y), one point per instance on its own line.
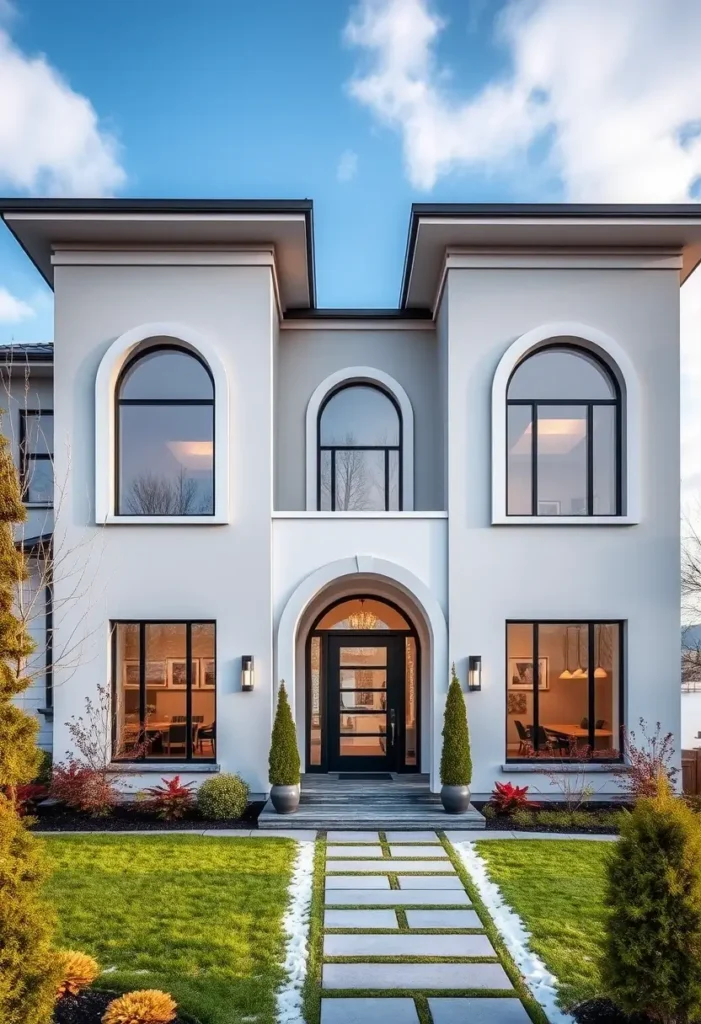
(540, 572)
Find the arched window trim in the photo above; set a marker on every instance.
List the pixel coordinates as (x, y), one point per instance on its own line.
(383, 382)
(617, 362)
(139, 353)
(119, 354)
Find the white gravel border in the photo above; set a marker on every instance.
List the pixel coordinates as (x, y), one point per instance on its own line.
(295, 924)
(538, 978)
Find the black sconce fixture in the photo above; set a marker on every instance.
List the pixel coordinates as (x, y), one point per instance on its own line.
(474, 672)
(246, 672)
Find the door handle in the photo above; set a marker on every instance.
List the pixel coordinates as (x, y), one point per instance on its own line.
(392, 725)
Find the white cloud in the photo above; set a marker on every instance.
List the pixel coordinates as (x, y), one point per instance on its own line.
(51, 141)
(609, 88)
(12, 309)
(347, 166)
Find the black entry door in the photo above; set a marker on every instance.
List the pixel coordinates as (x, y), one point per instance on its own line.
(365, 707)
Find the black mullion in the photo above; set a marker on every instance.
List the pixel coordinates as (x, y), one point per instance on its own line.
(113, 724)
(333, 479)
(590, 459)
(534, 459)
(563, 401)
(618, 455)
(386, 480)
(165, 401)
(142, 682)
(536, 685)
(360, 447)
(621, 695)
(591, 708)
(188, 692)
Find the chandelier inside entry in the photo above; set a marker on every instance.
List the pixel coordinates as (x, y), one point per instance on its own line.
(362, 619)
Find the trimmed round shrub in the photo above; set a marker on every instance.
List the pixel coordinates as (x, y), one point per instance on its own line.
(148, 1006)
(456, 763)
(651, 961)
(283, 762)
(222, 797)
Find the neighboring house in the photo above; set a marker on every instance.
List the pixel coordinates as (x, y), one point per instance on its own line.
(255, 489)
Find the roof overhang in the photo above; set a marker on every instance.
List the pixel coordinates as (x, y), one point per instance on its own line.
(436, 228)
(43, 225)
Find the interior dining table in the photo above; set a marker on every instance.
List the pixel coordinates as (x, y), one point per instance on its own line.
(576, 732)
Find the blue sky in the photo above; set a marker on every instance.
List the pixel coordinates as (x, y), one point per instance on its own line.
(363, 106)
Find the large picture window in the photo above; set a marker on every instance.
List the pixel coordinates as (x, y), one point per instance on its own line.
(564, 690)
(165, 435)
(563, 436)
(36, 457)
(359, 467)
(164, 691)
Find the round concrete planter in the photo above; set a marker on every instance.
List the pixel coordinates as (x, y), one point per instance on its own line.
(285, 798)
(456, 799)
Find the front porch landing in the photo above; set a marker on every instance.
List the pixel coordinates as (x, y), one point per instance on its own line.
(398, 802)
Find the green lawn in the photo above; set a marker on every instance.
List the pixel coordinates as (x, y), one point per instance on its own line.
(557, 888)
(198, 917)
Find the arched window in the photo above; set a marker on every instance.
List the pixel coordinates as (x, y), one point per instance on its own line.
(563, 435)
(165, 435)
(359, 464)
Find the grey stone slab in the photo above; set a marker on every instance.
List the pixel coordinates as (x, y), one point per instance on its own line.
(434, 882)
(415, 976)
(364, 919)
(354, 851)
(478, 836)
(405, 944)
(357, 882)
(288, 833)
(368, 1011)
(443, 919)
(477, 1011)
(348, 836)
(395, 898)
(418, 836)
(391, 864)
(417, 851)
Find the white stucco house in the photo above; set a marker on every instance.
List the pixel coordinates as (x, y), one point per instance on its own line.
(253, 488)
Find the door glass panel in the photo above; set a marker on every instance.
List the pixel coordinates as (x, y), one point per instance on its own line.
(372, 700)
(363, 679)
(411, 701)
(360, 656)
(364, 614)
(364, 723)
(315, 727)
(362, 746)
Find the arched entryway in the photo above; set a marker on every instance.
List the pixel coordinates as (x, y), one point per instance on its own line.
(363, 687)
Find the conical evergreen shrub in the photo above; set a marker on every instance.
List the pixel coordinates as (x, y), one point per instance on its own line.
(28, 973)
(283, 761)
(456, 762)
(651, 962)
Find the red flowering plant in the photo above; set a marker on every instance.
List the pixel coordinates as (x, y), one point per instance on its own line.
(648, 765)
(172, 800)
(28, 796)
(507, 798)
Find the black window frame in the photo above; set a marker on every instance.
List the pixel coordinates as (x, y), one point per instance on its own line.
(591, 691)
(333, 448)
(588, 404)
(156, 402)
(26, 458)
(142, 624)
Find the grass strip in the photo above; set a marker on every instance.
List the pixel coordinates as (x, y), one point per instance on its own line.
(311, 993)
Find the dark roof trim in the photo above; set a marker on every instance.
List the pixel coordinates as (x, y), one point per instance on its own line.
(166, 206)
(41, 352)
(358, 314)
(555, 210)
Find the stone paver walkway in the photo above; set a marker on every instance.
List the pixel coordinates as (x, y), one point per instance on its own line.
(399, 925)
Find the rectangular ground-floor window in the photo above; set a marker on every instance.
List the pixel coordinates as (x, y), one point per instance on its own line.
(564, 690)
(164, 691)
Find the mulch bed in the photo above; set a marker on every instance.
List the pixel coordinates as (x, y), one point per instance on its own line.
(506, 823)
(89, 1008)
(603, 1011)
(127, 818)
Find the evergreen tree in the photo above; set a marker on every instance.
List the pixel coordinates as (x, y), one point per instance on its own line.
(652, 954)
(456, 762)
(27, 976)
(284, 756)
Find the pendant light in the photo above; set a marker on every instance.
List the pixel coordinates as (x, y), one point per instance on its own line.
(599, 672)
(566, 674)
(579, 672)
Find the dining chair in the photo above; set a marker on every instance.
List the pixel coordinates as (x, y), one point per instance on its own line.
(524, 737)
(600, 723)
(176, 737)
(207, 732)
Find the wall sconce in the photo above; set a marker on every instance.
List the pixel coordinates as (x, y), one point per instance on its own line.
(474, 672)
(247, 672)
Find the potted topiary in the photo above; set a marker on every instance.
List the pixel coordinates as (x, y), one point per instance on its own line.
(283, 761)
(456, 763)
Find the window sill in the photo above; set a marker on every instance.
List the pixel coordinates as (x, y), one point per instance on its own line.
(181, 767)
(565, 520)
(216, 520)
(538, 767)
(360, 515)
